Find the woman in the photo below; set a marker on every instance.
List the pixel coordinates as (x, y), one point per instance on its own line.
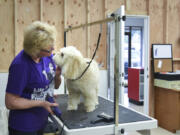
(32, 75)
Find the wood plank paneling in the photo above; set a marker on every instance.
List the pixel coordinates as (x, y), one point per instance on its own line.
(136, 7)
(6, 36)
(97, 12)
(174, 29)
(174, 25)
(76, 15)
(27, 12)
(112, 5)
(156, 21)
(53, 14)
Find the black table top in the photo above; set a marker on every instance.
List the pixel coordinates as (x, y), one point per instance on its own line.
(81, 119)
(168, 77)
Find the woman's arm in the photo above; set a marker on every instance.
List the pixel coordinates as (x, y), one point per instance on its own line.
(13, 101)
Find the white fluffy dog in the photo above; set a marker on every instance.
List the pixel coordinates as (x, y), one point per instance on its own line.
(72, 64)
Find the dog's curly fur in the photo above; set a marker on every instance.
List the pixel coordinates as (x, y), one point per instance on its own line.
(72, 64)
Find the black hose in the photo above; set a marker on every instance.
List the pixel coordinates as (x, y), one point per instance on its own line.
(57, 124)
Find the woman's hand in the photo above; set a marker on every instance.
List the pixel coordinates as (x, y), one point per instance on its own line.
(47, 105)
(58, 71)
(57, 78)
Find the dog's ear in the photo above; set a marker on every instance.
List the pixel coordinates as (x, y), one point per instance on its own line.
(76, 62)
(74, 67)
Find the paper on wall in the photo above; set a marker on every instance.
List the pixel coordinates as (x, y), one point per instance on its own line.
(160, 64)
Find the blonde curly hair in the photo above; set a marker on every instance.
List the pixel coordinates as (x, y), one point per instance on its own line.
(37, 36)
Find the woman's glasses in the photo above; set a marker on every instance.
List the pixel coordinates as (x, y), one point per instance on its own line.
(48, 51)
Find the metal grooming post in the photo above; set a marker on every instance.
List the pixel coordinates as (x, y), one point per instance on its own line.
(116, 78)
(118, 66)
(116, 75)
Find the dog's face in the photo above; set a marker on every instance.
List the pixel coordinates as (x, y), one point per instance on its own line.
(67, 59)
(59, 58)
(66, 54)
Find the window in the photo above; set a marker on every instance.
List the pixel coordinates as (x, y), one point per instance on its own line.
(133, 49)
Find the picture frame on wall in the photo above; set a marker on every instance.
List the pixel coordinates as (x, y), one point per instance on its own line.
(162, 51)
(162, 57)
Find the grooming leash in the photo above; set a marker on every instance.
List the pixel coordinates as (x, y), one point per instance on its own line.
(99, 37)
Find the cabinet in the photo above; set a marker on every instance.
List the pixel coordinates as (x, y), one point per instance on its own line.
(167, 108)
(136, 85)
(167, 101)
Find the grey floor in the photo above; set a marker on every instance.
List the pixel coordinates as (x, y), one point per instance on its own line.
(156, 131)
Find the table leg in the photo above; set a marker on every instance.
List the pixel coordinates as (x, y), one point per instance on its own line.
(144, 132)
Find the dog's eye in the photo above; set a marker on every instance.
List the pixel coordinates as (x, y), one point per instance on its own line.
(62, 54)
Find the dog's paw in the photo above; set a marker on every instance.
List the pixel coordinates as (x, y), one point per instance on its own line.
(97, 103)
(70, 107)
(90, 108)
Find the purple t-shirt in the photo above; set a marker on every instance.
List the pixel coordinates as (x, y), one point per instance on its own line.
(32, 81)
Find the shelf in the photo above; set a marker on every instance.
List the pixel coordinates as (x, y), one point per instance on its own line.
(176, 59)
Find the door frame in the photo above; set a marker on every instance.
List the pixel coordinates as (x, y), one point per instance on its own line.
(146, 49)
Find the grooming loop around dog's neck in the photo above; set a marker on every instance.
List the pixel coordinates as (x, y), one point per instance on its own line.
(90, 61)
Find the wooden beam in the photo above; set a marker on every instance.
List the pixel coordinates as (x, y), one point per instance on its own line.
(41, 10)
(165, 28)
(128, 12)
(65, 16)
(127, 5)
(15, 28)
(65, 19)
(148, 6)
(87, 28)
(104, 8)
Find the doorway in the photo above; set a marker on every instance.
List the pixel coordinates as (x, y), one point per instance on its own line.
(136, 56)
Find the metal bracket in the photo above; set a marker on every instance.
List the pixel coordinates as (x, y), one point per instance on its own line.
(119, 18)
(121, 75)
(124, 18)
(122, 131)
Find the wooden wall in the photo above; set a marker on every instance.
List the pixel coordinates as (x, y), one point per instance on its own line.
(15, 15)
(6, 34)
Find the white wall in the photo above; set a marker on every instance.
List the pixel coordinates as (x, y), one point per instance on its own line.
(102, 86)
(3, 82)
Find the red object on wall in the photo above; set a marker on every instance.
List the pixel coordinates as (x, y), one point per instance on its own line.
(135, 85)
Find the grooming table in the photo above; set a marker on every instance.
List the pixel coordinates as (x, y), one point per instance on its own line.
(79, 122)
